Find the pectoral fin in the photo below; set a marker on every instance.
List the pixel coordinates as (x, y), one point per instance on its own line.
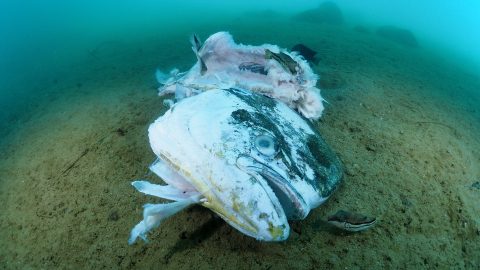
(196, 46)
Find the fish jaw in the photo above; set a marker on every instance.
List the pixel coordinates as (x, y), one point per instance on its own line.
(244, 201)
(255, 211)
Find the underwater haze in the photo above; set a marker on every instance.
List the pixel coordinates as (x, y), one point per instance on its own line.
(78, 92)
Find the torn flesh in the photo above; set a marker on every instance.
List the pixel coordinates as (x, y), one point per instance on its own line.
(243, 66)
(177, 189)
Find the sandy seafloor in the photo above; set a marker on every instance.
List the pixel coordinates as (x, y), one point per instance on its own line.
(405, 123)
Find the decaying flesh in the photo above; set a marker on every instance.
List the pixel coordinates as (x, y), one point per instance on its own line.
(250, 159)
(266, 69)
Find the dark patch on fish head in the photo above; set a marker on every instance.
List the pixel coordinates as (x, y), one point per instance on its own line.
(263, 124)
(311, 150)
(327, 167)
(277, 148)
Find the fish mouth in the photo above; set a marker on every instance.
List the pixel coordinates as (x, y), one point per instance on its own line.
(241, 217)
(291, 201)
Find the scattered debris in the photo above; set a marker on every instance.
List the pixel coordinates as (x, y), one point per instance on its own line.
(85, 152)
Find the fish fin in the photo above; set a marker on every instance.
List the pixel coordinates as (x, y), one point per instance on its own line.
(196, 43)
(162, 78)
(153, 215)
(196, 46)
(163, 191)
(170, 176)
(168, 103)
(182, 92)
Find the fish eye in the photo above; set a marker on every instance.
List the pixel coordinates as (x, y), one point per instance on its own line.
(266, 145)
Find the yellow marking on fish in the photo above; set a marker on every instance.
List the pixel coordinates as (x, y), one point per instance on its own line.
(220, 154)
(213, 203)
(275, 231)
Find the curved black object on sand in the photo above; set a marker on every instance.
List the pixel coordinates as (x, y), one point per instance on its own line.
(304, 51)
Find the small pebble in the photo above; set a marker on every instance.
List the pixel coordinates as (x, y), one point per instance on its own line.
(113, 216)
(121, 131)
(370, 147)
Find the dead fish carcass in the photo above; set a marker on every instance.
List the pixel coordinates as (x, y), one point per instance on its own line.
(266, 69)
(249, 158)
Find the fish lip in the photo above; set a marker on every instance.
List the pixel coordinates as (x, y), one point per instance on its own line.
(238, 219)
(281, 188)
(245, 226)
(243, 222)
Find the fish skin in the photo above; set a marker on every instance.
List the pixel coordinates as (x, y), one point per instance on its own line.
(284, 60)
(206, 153)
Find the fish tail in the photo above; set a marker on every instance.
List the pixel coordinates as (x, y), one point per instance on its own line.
(196, 46)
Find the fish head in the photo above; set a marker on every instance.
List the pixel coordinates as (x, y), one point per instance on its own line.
(256, 162)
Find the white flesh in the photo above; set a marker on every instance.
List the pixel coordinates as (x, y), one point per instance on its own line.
(222, 56)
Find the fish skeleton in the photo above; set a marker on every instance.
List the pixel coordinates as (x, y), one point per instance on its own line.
(266, 69)
(249, 158)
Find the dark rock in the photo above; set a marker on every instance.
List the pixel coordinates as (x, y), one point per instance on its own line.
(328, 12)
(304, 51)
(399, 35)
